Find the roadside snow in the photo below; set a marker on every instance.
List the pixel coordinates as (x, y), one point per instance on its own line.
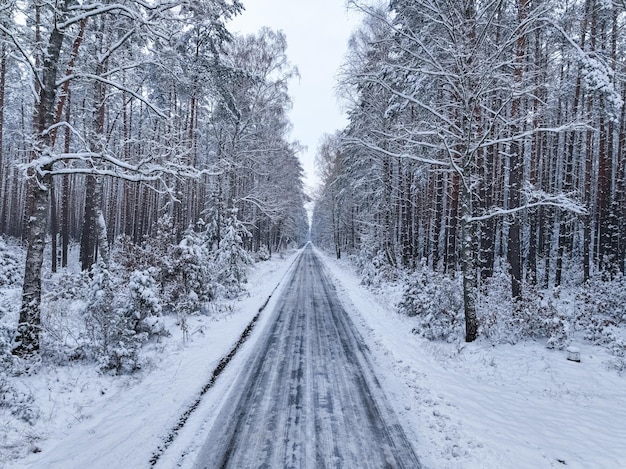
(87, 419)
(464, 405)
(478, 406)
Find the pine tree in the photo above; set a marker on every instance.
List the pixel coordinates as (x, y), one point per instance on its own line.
(231, 259)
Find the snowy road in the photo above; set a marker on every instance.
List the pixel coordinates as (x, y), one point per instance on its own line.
(308, 398)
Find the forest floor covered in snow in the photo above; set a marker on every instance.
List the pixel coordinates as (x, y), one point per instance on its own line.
(464, 405)
(483, 406)
(74, 416)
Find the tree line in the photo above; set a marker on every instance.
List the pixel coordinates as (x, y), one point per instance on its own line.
(115, 115)
(482, 136)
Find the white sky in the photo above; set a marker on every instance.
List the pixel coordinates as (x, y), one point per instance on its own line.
(317, 35)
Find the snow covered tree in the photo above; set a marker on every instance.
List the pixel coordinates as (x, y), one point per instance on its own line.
(452, 125)
(45, 54)
(144, 306)
(261, 175)
(231, 259)
(193, 278)
(120, 316)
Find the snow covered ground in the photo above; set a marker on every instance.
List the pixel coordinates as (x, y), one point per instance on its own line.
(465, 405)
(87, 419)
(479, 406)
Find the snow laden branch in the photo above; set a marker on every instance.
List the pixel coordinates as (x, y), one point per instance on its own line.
(81, 11)
(534, 198)
(25, 56)
(597, 75)
(403, 155)
(149, 170)
(116, 85)
(571, 127)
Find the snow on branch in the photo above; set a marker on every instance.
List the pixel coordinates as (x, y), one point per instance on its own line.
(26, 57)
(118, 86)
(571, 127)
(95, 9)
(535, 198)
(597, 75)
(404, 155)
(148, 170)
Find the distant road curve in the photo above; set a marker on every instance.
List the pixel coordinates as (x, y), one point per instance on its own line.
(308, 397)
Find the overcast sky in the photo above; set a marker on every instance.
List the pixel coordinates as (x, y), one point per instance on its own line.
(317, 35)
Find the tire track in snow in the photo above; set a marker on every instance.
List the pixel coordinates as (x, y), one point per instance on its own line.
(308, 397)
(222, 364)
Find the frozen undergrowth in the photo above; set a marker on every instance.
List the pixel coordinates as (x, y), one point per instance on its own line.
(558, 316)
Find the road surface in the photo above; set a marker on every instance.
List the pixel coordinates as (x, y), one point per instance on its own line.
(308, 397)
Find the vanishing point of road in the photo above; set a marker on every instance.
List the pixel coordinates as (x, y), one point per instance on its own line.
(308, 397)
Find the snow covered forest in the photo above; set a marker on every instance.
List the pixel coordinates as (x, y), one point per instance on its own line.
(152, 197)
(145, 164)
(486, 154)
(151, 137)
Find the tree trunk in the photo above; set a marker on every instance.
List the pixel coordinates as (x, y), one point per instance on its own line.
(65, 201)
(3, 73)
(388, 238)
(451, 224)
(27, 337)
(93, 224)
(619, 204)
(516, 175)
(54, 227)
(467, 266)
(88, 237)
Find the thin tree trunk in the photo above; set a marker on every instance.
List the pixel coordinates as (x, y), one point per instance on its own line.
(468, 266)
(514, 253)
(54, 225)
(28, 329)
(619, 203)
(65, 201)
(451, 225)
(3, 73)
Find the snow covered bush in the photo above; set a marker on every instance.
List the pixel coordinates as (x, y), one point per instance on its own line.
(231, 259)
(63, 301)
(112, 337)
(18, 400)
(12, 265)
(6, 361)
(192, 273)
(536, 316)
(158, 250)
(602, 317)
(65, 285)
(604, 299)
(435, 301)
(539, 317)
(144, 306)
(157, 253)
(376, 270)
(493, 306)
(263, 254)
(21, 403)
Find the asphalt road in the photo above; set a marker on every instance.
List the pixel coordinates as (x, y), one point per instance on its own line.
(308, 397)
